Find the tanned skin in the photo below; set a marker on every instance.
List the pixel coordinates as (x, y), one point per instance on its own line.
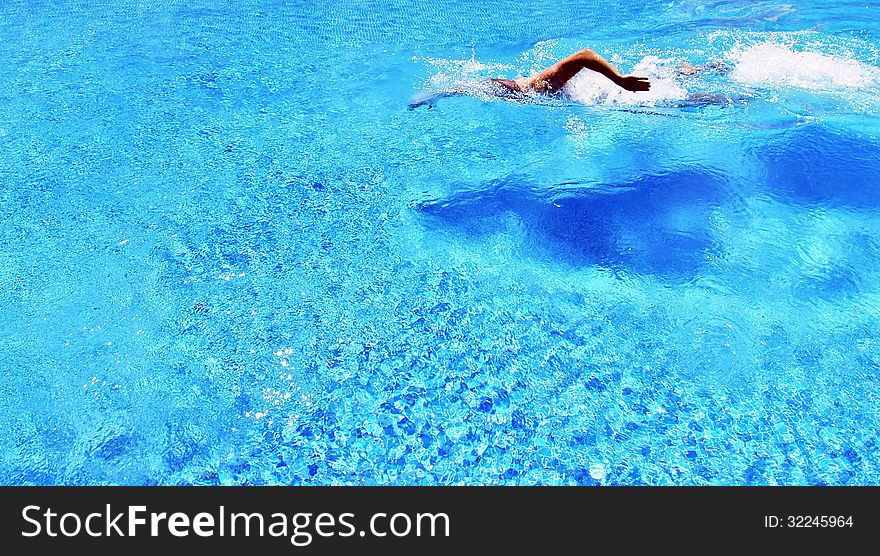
(551, 80)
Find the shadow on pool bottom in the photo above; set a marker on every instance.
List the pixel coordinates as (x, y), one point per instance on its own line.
(816, 166)
(657, 224)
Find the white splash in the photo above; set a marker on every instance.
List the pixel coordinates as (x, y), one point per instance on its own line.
(778, 65)
(455, 72)
(592, 88)
(460, 76)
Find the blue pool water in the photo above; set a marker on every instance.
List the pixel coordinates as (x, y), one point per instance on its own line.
(229, 253)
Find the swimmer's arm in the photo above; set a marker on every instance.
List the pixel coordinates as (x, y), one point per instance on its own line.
(426, 98)
(593, 61)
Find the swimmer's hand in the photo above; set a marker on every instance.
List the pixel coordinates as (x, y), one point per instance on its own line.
(633, 83)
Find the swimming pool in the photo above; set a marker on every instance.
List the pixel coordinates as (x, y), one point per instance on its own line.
(231, 255)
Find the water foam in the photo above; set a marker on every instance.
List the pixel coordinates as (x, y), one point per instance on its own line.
(778, 65)
(590, 87)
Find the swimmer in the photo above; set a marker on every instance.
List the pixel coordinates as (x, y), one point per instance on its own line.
(550, 81)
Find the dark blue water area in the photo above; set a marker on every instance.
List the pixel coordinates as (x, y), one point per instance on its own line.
(817, 166)
(621, 226)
